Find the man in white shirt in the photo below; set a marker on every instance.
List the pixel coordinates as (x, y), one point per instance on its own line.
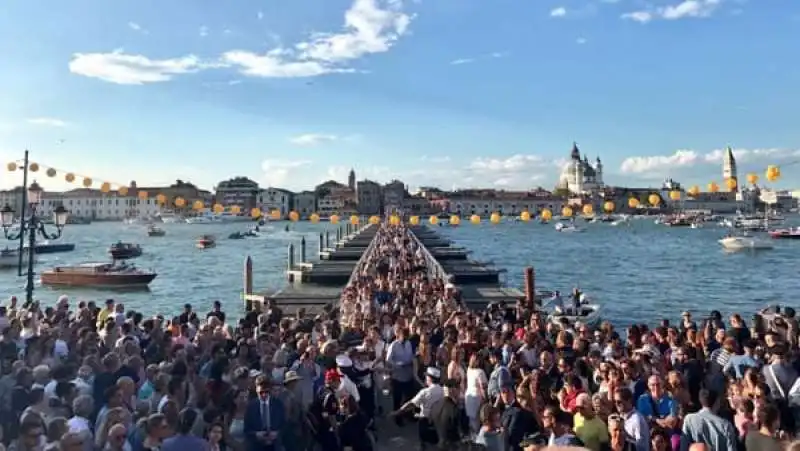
(347, 387)
(424, 400)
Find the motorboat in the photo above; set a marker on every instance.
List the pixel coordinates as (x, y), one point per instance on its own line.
(587, 312)
(696, 225)
(206, 218)
(124, 251)
(171, 218)
(112, 275)
(139, 220)
(155, 231)
(743, 242)
(9, 258)
(567, 228)
(726, 222)
(206, 242)
(47, 247)
(242, 235)
(786, 234)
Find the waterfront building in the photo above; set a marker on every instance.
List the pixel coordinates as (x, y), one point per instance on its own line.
(240, 191)
(394, 193)
(508, 203)
(419, 205)
(578, 176)
(187, 191)
(304, 203)
(369, 197)
(271, 199)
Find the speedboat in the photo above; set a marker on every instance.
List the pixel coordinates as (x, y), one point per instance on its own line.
(123, 251)
(742, 242)
(588, 312)
(697, 225)
(568, 228)
(786, 234)
(112, 275)
(9, 258)
(206, 242)
(155, 231)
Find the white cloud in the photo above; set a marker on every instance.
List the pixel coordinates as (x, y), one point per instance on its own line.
(47, 121)
(203, 31)
(558, 12)
(684, 9)
(462, 61)
(138, 28)
(125, 69)
(433, 159)
(661, 165)
(277, 172)
(260, 15)
(581, 41)
(312, 139)
(515, 163)
(369, 28)
(340, 173)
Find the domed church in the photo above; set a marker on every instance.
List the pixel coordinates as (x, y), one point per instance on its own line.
(578, 176)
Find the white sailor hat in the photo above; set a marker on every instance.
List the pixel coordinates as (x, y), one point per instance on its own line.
(433, 372)
(343, 360)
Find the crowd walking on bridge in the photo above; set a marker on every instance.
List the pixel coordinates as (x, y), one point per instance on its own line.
(399, 351)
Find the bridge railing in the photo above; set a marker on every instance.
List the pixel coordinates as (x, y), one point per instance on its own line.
(365, 257)
(435, 269)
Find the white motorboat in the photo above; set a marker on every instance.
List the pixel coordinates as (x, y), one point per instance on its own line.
(697, 225)
(205, 217)
(743, 242)
(567, 228)
(171, 218)
(588, 312)
(9, 258)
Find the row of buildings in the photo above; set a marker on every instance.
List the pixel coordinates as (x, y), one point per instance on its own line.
(579, 183)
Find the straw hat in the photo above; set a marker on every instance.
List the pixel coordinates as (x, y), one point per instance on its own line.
(291, 376)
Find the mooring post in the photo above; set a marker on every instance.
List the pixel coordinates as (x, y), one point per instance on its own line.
(530, 286)
(338, 234)
(290, 257)
(248, 283)
(321, 243)
(327, 239)
(303, 249)
(349, 229)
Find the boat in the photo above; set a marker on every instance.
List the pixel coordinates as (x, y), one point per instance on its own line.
(743, 242)
(171, 218)
(696, 225)
(9, 258)
(237, 236)
(786, 234)
(206, 242)
(567, 228)
(155, 231)
(588, 312)
(123, 251)
(112, 275)
(47, 247)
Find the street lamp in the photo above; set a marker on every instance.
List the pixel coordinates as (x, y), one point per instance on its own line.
(32, 225)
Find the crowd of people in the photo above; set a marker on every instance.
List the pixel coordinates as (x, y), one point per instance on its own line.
(399, 351)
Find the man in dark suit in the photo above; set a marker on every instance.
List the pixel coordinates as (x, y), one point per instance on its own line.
(517, 422)
(263, 419)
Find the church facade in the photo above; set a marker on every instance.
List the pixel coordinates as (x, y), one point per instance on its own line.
(580, 177)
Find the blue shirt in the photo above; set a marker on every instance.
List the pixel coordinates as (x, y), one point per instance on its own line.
(666, 406)
(740, 364)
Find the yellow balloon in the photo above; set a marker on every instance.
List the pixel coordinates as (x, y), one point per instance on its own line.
(525, 216)
(475, 219)
(275, 215)
(105, 187)
(773, 173)
(588, 210)
(180, 202)
(694, 191)
(219, 208)
(731, 184)
(199, 205)
(654, 199)
(713, 187)
(255, 212)
(11, 166)
(394, 220)
(433, 220)
(752, 178)
(374, 220)
(87, 182)
(33, 167)
(70, 177)
(455, 220)
(294, 216)
(314, 218)
(608, 206)
(123, 190)
(495, 218)
(143, 195)
(334, 219)
(547, 214)
(566, 212)
(354, 220)
(414, 220)
(235, 209)
(161, 199)
(51, 172)
(675, 195)
(633, 202)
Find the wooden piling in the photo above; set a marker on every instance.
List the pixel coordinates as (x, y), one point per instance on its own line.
(248, 283)
(530, 285)
(303, 249)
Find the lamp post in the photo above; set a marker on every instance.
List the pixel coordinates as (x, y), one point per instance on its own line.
(32, 225)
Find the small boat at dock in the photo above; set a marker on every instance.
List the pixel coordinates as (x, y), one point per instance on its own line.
(124, 251)
(744, 242)
(786, 234)
(206, 242)
(567, 228)
(587, 312)
(111, 275)
(155, 231)
(47, 247)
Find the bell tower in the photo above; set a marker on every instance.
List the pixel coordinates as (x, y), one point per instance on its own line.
(729, 166)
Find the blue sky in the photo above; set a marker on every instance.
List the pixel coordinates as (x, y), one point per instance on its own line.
(445, 92)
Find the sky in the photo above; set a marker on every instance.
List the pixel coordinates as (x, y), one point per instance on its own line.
(451, 93)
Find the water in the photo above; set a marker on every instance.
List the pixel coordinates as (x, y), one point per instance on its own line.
(639, 273)
(642, 272)
(185, 273)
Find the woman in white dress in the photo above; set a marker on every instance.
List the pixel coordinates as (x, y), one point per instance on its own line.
(475, 394)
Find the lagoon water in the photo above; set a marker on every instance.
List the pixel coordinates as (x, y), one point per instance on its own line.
(640, 272)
